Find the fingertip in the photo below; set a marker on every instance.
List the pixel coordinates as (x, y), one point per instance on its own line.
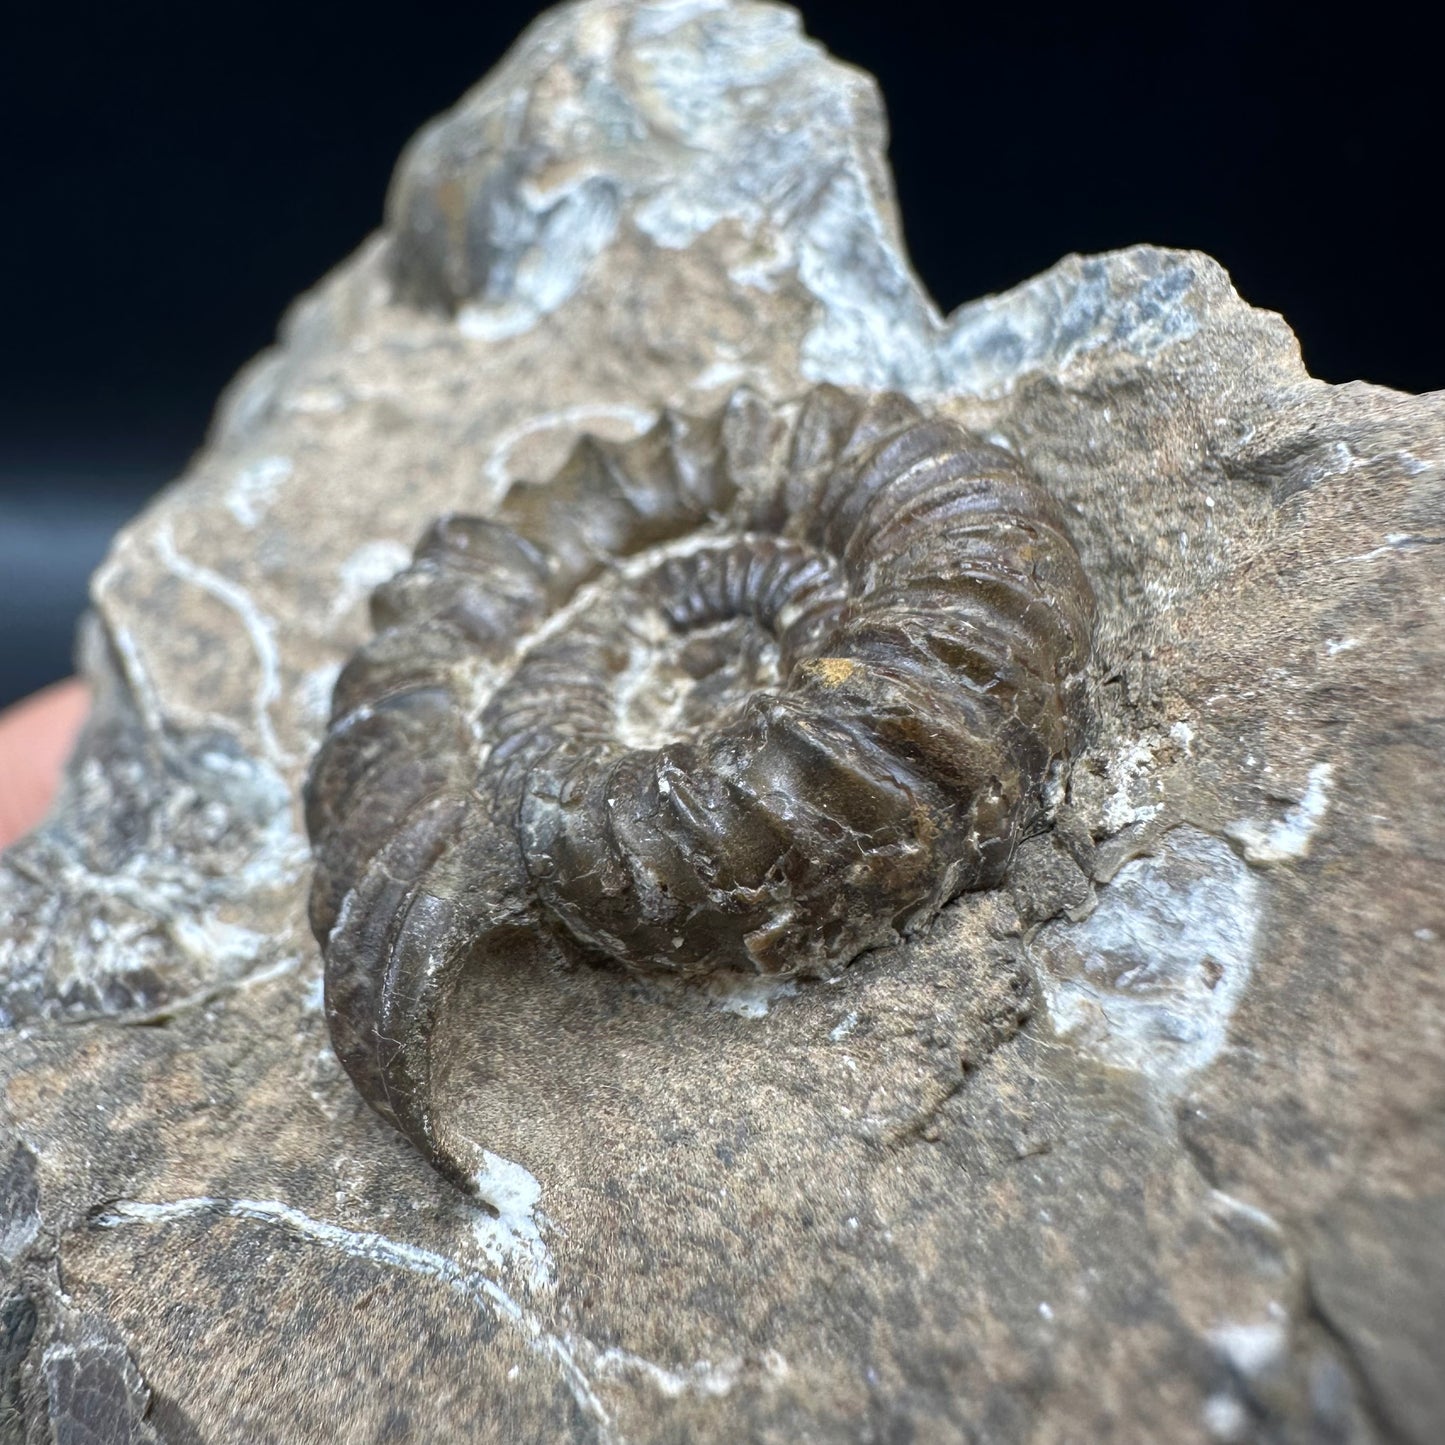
(37, 736)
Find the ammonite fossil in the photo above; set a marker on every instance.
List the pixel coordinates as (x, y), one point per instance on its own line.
(756, 692)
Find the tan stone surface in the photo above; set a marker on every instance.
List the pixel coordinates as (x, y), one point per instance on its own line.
(1150, 1146)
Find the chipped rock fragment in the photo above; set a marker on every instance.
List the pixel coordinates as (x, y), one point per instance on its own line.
(1146, 1144)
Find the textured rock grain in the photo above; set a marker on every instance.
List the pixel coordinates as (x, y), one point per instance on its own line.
(1147, 1145)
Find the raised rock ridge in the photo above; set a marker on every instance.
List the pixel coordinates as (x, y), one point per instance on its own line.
(1149, 1145)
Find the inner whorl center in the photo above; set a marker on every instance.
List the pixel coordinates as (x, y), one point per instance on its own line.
(706, 630)
(677, 683)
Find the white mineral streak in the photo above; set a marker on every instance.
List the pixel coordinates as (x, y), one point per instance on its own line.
(255, 486)
(1134, 795)
(205, 936)
(570, 421)
(132, 667)
(717, 374)
(378, 1249)
(748, 996)
(312, 696)
(1226, 1206)
(1394, 542)
(19, 1226)
(1227, 1418)
(213, 992)
(1149, 980)
(260, 631)
(313, 1000)
(558, 231)
(513, 1235)
(577, 1359)
(1286, 839)
(701, 1379)
(1251, 1348)
(364, 570)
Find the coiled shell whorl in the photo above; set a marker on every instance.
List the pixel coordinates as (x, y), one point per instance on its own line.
(758, 691)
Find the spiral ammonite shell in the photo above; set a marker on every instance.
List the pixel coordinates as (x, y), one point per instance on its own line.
(758, 691)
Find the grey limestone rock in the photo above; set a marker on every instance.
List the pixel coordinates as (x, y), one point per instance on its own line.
(1148, 1145)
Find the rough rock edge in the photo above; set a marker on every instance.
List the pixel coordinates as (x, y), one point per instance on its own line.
(1136, 303)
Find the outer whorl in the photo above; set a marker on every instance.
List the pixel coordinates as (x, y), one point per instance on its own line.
(753, 692)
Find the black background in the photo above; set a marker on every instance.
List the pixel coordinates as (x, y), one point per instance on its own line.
(174, 175)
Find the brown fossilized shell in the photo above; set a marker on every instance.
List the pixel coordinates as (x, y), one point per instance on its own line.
(758, 691)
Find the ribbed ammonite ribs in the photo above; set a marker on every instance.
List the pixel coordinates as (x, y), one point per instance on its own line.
(757, 691)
